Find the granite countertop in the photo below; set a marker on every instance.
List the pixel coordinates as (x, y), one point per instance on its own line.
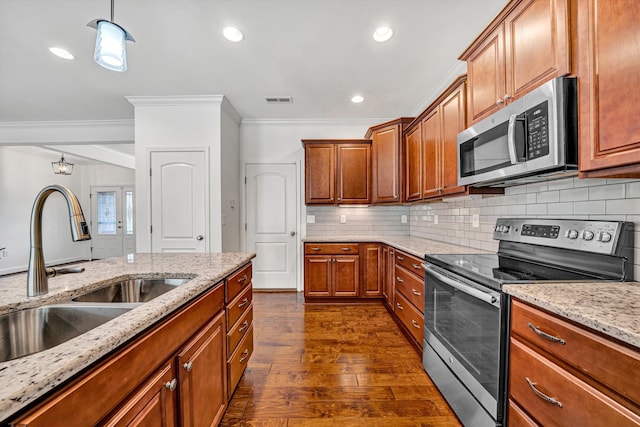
(612, 308)
(416, 246)
(30, 377)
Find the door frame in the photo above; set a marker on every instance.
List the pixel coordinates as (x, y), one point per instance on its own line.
(94, 189)
(300, 225)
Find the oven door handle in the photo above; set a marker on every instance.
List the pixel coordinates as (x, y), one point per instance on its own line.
(476, 293)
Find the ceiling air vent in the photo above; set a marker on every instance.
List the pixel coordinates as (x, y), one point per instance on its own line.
(278, 99)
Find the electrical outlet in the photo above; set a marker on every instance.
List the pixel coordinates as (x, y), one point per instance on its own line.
(475, 220)
(404, 219)
(311, 219)
(435, 219)
(343, 219)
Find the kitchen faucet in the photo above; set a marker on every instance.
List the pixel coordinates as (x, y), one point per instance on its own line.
(37, 277)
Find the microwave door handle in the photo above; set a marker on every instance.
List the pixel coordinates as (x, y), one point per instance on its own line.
(511, 139)
(476, 293)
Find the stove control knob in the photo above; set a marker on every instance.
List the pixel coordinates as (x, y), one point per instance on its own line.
(572, 234)
(506, 228)
(605, 237)
(587, 235)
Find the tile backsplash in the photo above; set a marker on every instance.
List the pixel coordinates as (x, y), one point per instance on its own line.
(452, 221)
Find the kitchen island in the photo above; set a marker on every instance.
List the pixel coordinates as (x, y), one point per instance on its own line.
(29, 378)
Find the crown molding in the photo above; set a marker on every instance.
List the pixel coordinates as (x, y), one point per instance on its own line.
(174, 100)
(359, 122)
(459, 68)
(67, 132)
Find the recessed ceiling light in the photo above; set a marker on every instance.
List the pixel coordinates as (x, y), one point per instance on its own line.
(382, 34)
(233, 34)
(62, 53)
(357, 99)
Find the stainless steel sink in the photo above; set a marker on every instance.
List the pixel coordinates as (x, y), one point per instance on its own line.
(36, 329)
(132, 290)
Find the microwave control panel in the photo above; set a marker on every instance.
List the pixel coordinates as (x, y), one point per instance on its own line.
(537, 122)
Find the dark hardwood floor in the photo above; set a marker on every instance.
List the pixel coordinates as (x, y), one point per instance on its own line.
(332, 365)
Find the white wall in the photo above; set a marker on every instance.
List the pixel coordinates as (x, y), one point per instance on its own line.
(22, 175)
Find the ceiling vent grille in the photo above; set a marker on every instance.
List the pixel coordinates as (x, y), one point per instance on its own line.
(278, 99)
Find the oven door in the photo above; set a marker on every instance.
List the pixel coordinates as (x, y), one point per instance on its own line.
(463, 324)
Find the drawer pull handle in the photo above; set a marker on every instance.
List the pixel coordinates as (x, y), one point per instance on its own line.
(244, 326)
(399, 279)
(545, 335)
(316, 249)
(541, 395)
(244, 302)
(417, 266)
(399, 258)
(188, 366)
(415, 324)
(416, 292)
(346, 249)
(399, 306)
(171, 385)
(246, 354)
(242, 279)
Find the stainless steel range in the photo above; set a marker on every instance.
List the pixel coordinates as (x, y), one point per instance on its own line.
(467, 314)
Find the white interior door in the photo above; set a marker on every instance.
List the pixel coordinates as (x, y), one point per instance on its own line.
(112, 228)
(179, 202)
(272, 231)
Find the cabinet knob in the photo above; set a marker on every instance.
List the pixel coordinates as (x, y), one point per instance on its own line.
(507, 97)
(171, 385)
(499, 102)
(188, 366)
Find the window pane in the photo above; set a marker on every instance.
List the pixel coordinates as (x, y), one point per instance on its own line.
(128, 207)
(106, 212)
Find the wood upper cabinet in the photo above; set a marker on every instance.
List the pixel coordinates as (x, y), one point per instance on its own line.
(202, 376)
(413, 163)
(371, 256)
(386, 160)
(527, 44)
(609, 77)
(430, 166)
(337, 171)
(453, 120)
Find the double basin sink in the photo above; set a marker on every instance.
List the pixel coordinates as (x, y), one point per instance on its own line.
(36, 329)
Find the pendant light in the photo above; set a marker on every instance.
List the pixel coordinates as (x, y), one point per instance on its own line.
(62, 167)
(110, 50)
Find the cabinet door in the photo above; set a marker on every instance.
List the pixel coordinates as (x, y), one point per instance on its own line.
(536, 44)
(153, 404)
(609, 60)
(202, 375)
(371, 256)
(385, 264)
(320, 171)
(413, 164)
(431, 154)
(354, 173)
(389, 277)
(453, 122)
(346, 277)
(385, 186)
(317, 275)
(486, 77)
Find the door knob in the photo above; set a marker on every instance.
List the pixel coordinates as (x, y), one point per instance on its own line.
(199, 237)
(293, 233)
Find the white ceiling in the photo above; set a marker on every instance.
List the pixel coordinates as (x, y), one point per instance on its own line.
(320, 52)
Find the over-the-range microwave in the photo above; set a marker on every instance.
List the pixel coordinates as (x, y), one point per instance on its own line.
(534, 137)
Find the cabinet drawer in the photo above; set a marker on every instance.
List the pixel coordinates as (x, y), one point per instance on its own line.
(410, 286)
(238, 361)
(410, 317)
(239, 330)
(518, 418)
(237, 282)
(331, 248)
(238, 307)
(534, 381)
(410, 263)
(604, 360)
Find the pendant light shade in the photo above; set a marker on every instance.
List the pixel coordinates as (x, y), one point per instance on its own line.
(110, 51)
(62, 167)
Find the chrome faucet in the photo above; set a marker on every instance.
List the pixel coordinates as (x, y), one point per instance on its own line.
(37, 277)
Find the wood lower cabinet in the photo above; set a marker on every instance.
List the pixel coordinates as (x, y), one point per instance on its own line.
(561, 373)
(372, 269)
(337, 171)
(608, 78)
(388, 266)
(408, 305)
(527, 44)
(330, 273)
(386, 160)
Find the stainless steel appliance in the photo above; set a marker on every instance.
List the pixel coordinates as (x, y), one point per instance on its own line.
(531, 138)
(467, 314)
